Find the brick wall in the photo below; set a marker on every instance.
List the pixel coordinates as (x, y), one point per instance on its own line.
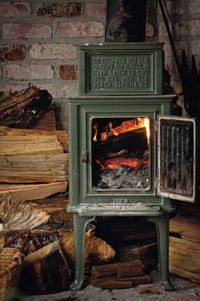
(39, 41)
(39, 44)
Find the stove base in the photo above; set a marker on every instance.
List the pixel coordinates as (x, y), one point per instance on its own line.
(161, 222)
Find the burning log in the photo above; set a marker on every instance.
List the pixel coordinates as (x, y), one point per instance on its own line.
(133, 141)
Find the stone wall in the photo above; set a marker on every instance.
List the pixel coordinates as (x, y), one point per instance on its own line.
(39, 41)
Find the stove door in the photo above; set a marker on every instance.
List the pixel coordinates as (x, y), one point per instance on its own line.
(177, 157)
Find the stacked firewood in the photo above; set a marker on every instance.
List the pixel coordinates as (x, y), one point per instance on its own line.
(34, 193)
(33, 178)
(33, 161)
(119, 275)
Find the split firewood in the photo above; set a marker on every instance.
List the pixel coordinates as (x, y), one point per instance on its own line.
(94, 247)
(181, 263)
(15, 215)
(42, 168)
(187, 228)
(120, 269)
(60, 134)
(23, 192)
(24, 145)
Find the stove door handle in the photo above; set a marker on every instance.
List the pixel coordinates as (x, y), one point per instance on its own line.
(84, 155)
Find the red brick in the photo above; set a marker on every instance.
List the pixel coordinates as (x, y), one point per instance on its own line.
(63, 9)
(12, 52)
(68, 72)
(93, 9)
(15, 9)
(81, 30)
(52, 51)
(27, 72)
(26, 31)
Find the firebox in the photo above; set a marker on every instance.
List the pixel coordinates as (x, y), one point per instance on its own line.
(128, 155)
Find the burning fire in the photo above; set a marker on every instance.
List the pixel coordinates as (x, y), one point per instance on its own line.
(147, 126)
(126, 126)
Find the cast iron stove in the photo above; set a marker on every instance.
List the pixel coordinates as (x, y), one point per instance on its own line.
(128, 156)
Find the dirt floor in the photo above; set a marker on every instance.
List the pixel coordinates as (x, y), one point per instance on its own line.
(184, 291)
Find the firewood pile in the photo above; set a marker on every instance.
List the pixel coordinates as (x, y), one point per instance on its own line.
(184, 236)
(33, 202)
(119, 275)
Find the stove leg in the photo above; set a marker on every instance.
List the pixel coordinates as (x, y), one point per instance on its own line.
(80, 223)
(162, 227)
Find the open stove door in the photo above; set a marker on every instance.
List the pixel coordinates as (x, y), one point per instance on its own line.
(177, 158)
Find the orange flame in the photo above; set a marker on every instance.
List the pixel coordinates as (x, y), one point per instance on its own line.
(147, 126)
(124, 127)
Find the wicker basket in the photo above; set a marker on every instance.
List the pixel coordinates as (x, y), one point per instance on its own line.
(10, 267)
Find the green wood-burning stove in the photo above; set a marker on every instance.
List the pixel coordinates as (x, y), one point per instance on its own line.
(127, 156)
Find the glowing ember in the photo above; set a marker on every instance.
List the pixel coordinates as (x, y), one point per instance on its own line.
(116, 162)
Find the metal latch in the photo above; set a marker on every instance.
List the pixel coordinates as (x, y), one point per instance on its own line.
(84, 155)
